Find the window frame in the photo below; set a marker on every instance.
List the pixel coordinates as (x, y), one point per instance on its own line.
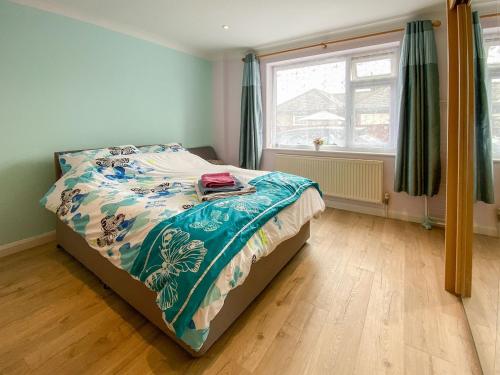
(351, 85)
(492, 38)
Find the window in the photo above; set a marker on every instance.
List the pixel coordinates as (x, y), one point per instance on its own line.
(492, 46)
(347, 99)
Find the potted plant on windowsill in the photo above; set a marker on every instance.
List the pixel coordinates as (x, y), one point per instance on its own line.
(318, 142)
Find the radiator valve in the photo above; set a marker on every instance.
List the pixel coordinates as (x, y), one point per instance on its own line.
(386, 198)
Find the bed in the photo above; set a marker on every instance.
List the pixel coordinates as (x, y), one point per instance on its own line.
(236, 297)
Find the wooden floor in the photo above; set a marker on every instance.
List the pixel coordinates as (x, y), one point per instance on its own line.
(483, 308)
(365, 296)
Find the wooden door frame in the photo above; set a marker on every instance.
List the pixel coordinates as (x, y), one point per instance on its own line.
(460, 159)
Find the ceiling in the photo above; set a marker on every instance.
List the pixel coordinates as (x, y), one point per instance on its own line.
(195, 26)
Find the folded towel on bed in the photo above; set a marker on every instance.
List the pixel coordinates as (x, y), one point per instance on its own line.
(222, 189)
(246, 189)
(217, 179)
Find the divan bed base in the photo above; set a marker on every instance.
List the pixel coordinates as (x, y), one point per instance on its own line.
(144, 300)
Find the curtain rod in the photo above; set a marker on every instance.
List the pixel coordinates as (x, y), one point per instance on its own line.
(489, 15)
(435, 23)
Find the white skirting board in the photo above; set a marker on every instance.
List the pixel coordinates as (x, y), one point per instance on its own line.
(27, 243)
(487, 231)
(379, 211)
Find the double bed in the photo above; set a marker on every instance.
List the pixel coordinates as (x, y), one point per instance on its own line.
(151, 189)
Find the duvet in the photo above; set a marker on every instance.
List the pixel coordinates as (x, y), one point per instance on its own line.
(141, 212)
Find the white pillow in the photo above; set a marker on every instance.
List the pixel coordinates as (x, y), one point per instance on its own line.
(72, 160)
(169, 147)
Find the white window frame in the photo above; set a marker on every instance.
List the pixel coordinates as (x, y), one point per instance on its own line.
(351, 85)
(492, 37)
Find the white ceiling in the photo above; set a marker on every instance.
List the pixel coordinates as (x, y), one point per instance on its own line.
(195, 26)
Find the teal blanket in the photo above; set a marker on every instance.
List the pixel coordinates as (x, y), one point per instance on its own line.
(182, 256)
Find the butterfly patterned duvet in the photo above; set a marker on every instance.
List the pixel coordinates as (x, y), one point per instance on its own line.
(115, 203)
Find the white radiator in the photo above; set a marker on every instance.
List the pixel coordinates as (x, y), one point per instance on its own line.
(356, 179)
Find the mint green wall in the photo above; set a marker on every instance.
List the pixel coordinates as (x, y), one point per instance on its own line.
(66, 84)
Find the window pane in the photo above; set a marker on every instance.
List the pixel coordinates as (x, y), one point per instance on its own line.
(310, 103)
(347, 101)
(495, 114)
(493, 55)
(372, 116)
(368, 67)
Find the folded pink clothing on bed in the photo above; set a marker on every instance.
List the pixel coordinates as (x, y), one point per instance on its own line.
(217, 180)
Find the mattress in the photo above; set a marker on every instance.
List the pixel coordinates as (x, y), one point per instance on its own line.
(116, 203)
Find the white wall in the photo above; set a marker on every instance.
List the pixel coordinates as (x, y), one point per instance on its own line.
(228, 75)
(229, 70)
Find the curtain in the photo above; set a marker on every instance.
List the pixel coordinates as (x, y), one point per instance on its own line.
(251, 114)
(418, 165)
(483, 171)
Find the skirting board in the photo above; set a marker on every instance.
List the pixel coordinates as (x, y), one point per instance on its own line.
(27, 243)
(380, 211)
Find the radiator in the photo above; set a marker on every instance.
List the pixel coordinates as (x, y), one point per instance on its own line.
(356, 179)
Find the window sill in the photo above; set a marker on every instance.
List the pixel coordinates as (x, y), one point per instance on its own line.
(313, 152)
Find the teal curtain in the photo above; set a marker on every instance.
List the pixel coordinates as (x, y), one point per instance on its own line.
(483, 171)
(251, 114)
(418, 165)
